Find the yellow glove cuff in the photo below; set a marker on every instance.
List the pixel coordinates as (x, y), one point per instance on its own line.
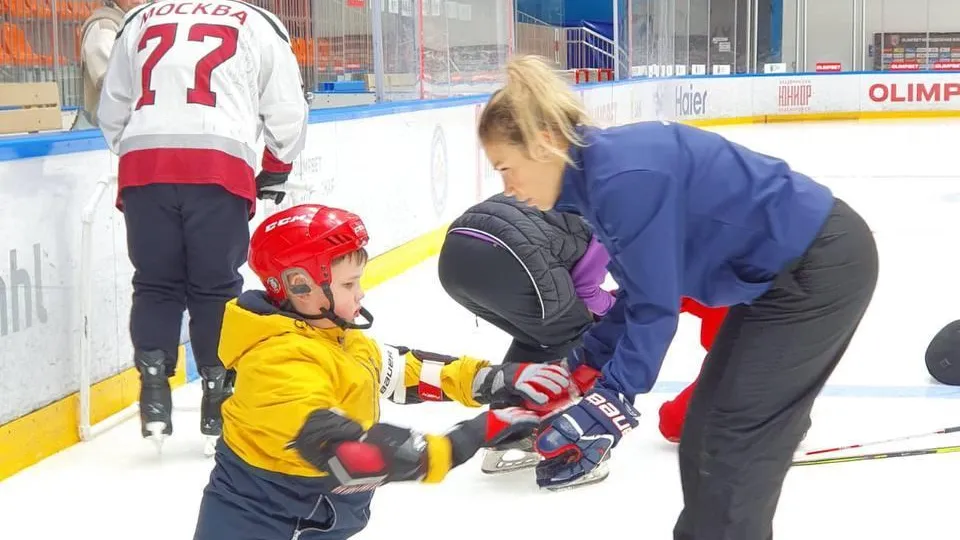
(439, 458)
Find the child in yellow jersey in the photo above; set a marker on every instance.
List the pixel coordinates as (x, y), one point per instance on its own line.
(303, 447)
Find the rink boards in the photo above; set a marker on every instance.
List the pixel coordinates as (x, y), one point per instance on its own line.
(406, 168)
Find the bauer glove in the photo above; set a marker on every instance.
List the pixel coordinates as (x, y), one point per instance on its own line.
(538, 387)
(577, 440)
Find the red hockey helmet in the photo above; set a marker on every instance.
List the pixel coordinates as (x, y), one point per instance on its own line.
(306, 236)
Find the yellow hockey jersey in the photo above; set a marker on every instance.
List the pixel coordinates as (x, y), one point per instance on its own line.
(287, 369)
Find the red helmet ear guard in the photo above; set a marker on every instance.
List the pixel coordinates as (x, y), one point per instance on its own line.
(306, 236)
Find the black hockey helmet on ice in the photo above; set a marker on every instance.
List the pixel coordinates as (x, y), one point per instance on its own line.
(943, 355)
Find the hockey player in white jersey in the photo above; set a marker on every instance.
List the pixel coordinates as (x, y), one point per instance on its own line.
(189, 90)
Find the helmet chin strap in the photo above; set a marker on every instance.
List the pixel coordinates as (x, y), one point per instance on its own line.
(328, 313)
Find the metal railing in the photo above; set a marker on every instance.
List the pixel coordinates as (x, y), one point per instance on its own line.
(541, 38)
(86, 315)
(419, 49)
(416, 48)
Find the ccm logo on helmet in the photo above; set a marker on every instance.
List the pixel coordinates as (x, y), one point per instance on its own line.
(286, 221)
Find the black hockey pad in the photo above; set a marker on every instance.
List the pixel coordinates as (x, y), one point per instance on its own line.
(943, 355)
(323, 429)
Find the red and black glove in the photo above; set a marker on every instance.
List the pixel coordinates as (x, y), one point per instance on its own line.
(538, 387)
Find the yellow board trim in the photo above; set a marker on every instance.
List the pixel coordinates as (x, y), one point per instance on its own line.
(31, 438)
(822, 117)
(398, 260)
(44, 432)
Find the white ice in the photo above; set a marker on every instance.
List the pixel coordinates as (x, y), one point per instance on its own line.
(901, 176)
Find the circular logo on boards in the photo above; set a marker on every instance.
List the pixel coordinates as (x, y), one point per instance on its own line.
(658, 102)
(438, 170)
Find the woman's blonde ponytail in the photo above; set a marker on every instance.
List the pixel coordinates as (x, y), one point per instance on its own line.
(534, 104)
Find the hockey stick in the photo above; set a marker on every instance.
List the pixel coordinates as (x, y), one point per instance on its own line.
(884, 455)
(953, 429)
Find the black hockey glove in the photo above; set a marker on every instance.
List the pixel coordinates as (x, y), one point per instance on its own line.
(268, 179)
(273, 173)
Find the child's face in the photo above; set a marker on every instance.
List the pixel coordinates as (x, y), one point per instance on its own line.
(345, 286)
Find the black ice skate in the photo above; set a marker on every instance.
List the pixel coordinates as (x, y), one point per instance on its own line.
(156, 405)
(217, 387)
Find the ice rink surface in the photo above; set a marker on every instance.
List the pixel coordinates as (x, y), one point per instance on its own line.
(901, 176)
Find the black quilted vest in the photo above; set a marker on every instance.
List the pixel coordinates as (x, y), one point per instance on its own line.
(547, 244)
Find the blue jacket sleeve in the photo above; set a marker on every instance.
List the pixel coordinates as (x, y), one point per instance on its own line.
(601, 340)
(639, 213)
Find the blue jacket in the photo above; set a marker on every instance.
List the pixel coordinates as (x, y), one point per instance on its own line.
(683, 212)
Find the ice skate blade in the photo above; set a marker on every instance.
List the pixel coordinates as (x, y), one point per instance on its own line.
(210, 445)
(496, 461)
(156, 434)
(593, 477)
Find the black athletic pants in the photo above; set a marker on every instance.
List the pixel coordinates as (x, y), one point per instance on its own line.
(771, 358)
(187, 243)
(489, 282)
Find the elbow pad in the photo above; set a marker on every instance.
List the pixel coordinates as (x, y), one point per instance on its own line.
(320, 434)
(393, 372)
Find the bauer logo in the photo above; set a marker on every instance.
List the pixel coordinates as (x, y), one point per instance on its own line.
(438, 170)
(793, 95)
(609, 410)
(689, 102)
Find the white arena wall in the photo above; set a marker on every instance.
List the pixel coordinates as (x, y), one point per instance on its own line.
(407, 169)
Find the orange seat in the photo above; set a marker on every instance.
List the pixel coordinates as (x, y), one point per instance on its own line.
(25, 9)
(15, 44)
(299, 47)
(82, 9)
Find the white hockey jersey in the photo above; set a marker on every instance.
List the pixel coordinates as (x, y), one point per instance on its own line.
(191, 86)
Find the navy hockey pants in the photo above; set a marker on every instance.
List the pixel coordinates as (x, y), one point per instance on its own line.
(187, 243)
(241, 502)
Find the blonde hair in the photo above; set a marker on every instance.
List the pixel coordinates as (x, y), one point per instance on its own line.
(535, 103)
